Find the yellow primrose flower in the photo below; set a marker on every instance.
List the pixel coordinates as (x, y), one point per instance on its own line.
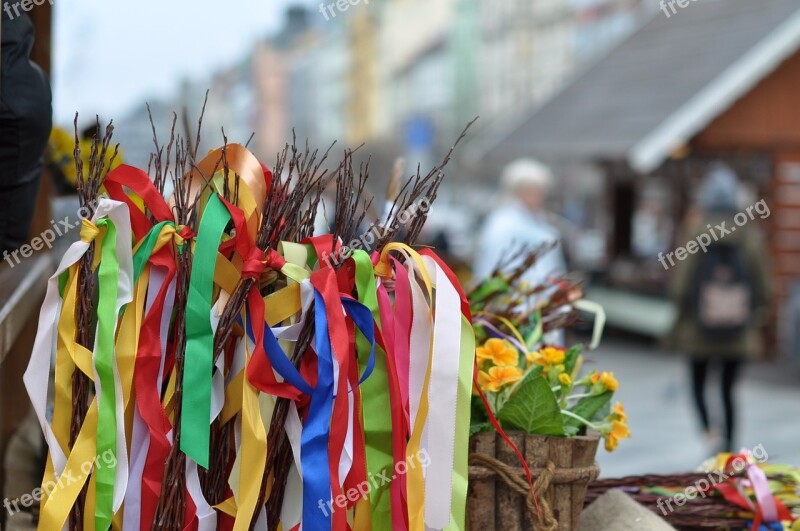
(546, 357)
(619, 411)
(534, 357)
(497, 377)
(499, 352)
(619, 430)
(564, 379)
(606, 379)
(552, 355)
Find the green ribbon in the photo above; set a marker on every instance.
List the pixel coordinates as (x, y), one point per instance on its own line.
(105, 472)
(145, 250)
(199, 362)
(466, 357)
(375, 403)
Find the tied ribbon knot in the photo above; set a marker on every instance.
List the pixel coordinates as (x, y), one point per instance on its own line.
(383, 268)
(183, 233)
(89, 231)
(258, 260)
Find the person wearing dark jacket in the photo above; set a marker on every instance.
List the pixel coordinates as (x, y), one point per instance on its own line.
(723, 296)
(25, 123)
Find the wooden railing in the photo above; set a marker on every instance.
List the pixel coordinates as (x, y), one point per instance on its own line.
(22, 290)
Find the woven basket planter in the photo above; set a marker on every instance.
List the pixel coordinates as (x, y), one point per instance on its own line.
(499, 495)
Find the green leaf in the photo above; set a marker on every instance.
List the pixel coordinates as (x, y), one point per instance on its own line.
(487, 288)
(533, 408)
(480, 427)
(602, 413)
(478, 410)
(588, 407)
(571, 357)
(534, 372)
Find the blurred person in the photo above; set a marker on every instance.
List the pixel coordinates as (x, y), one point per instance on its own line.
(25, 121)
(521, 219)
(60, 156)
(723, 295)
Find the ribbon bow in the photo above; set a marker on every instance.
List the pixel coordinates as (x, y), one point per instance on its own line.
(258, 260)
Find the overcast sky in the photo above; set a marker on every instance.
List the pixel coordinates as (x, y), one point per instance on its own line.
(112, 54)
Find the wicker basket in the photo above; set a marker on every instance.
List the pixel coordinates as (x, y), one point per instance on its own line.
(698, 513)
(499, 496)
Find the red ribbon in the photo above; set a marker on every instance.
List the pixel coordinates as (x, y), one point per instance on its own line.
(325, 283)
(254, 265)
(148, 392)
(139, 182)
(259, 371)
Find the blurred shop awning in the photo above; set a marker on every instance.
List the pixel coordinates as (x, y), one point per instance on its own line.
(655, 91)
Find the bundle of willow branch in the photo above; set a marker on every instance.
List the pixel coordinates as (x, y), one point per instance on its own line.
(88, 184)
(504, 297)
(229, 236)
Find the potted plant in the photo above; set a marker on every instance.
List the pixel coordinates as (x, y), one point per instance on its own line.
(537, 416)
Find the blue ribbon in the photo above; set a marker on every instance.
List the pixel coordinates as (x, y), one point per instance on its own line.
(277, 357)
(362, 317)
(316, 432)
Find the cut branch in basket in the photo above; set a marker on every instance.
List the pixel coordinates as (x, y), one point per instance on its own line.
(88, 184)
(505, 296)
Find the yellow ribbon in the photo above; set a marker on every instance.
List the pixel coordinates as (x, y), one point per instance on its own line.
(89, 231)
(55, 510)
(254, 454)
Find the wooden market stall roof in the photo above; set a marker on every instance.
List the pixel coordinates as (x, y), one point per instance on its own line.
(657, 89)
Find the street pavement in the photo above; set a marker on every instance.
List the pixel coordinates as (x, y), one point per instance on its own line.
(666, 437)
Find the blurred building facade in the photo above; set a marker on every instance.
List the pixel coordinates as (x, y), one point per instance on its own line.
(400, 71)
(650, 123)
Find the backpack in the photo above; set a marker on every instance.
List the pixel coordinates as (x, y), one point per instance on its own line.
(724, 294)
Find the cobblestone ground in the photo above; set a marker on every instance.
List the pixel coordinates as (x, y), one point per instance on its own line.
(655, 389)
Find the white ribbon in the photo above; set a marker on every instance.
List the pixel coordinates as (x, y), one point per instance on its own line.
(37, 375)
(442, 397)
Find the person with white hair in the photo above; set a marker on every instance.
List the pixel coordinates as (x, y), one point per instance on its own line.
(521, 219)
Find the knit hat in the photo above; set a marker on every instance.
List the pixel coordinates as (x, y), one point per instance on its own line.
(526, 172)
(719, 190)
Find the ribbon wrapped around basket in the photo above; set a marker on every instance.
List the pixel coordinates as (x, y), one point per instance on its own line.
(212, 368)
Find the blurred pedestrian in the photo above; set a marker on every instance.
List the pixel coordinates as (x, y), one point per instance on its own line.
(25, 121)
(521, 219)
(723, 295)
